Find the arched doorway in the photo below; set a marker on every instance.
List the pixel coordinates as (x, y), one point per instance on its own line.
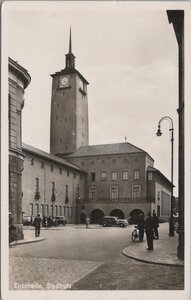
(96, 216)
(117, 213)
(82, 218)
(134, 214)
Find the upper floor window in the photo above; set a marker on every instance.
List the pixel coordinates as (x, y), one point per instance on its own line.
(125, 175)
(113, 175)
(150, 176)
(31, 161)
(103, 176)
(60, 170)
(68, 173)
(136, 174)
(42, 164)
(93, 176)
(52, 168)
(37, 192)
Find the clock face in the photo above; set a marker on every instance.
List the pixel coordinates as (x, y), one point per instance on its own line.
(64, 81)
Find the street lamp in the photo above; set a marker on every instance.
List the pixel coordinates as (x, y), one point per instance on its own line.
(159, 133)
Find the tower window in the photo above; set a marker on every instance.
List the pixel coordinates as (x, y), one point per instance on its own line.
(57, 104)
(65, 119)
(60, 140)
(56, 117)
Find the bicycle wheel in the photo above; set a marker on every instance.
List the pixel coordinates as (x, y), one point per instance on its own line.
(134, 235)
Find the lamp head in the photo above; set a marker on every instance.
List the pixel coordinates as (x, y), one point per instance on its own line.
(159, 133)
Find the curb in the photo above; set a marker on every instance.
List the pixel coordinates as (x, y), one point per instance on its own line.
(151, 262)
(21, 242)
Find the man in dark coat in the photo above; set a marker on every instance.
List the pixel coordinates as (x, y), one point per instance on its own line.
(149, 231)
(37, 223)
(155, 225)
(141, 226)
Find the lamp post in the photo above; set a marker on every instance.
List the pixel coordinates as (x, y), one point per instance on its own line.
(159, 133)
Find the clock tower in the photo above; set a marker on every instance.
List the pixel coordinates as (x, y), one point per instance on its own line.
(69, 109)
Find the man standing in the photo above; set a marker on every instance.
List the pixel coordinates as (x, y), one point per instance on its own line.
(155, 225)
(141, 226)
(149, 231)
(37, 223)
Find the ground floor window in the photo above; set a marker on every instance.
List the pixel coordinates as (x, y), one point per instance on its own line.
(51, 210)
(136, 191)
(47, 211)
(31, 209)
(68, 211)
(114, 193)
(93, 193)
(37, 208)
(60, 210)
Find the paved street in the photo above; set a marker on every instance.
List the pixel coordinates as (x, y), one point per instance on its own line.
(86, 259)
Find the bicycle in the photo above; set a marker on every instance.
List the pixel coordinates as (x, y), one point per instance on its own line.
(135, 233)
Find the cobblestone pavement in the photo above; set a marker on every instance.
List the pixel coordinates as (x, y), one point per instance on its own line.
(47, 273)
(132, 275)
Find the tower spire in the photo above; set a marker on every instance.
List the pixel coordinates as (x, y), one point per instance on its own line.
(70, 58)
(70, 42)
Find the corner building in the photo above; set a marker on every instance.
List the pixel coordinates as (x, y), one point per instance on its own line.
(18, 80)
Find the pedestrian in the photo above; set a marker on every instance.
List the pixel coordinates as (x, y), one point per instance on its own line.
(155, 226)
(37, 224)
(87, 222)
(149, 231)
(141, 226)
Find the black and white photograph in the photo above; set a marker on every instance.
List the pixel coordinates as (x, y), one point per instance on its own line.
(95, 150)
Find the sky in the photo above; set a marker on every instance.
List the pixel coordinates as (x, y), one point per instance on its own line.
(128, 54)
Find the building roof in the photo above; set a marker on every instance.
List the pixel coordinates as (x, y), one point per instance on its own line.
(20, 71)
(107, 149)
(151, 169)
(53, 158)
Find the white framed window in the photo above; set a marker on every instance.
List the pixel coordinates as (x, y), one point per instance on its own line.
(114, 193)
(125, 175)
(114, 176)
(136, 174)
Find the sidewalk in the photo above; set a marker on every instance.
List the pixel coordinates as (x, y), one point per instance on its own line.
(28, 238)
(164, 253)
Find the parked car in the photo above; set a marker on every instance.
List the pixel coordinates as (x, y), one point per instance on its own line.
(109, 221)
(123, 222)
(61, 220)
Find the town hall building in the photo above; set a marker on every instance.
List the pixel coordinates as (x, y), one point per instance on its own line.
(78, 180)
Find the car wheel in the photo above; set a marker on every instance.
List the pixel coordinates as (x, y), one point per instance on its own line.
(104, 225)
(121, 225)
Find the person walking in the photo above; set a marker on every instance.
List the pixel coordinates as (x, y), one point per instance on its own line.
(155, 226)
(141, 226)
(149, 231)
(87, 222)
(37, 224)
